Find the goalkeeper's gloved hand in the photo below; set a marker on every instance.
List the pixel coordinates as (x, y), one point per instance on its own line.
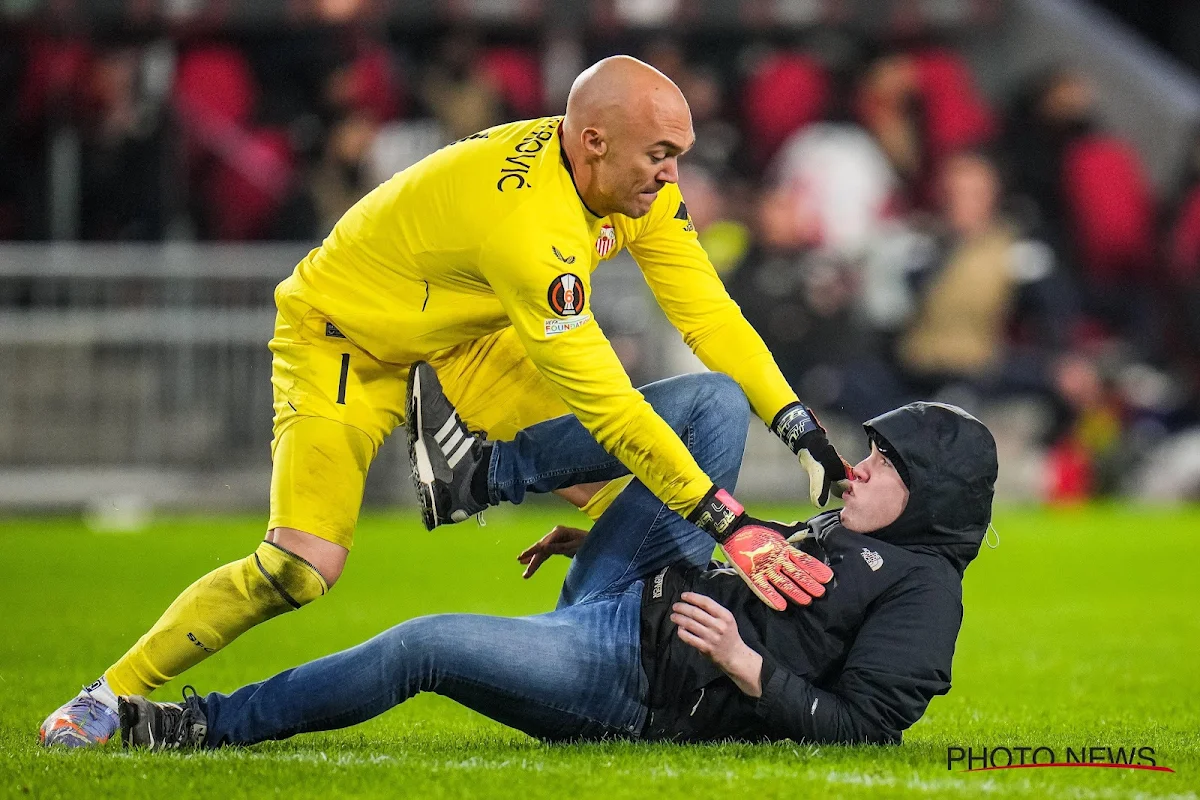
(827, 471)
(759, 551)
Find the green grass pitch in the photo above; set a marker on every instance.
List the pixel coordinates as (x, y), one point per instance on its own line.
(1081, 630)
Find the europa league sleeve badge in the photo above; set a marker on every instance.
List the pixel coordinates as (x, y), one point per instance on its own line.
(566, 295)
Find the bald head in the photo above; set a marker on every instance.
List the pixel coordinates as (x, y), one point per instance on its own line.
(625, 126)
(622, 88)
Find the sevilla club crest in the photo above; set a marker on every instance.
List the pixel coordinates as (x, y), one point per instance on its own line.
(566, 295)
(606, 241)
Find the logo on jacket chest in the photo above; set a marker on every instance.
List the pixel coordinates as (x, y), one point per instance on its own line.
(873, 559)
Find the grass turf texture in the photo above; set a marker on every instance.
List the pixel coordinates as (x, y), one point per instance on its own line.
(1081, 630)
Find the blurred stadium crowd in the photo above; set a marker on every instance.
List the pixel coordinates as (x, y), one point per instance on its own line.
(891, 231)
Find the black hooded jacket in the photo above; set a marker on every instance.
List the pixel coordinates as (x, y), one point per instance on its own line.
(862, 663)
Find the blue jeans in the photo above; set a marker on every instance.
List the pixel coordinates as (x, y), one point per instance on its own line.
(572, 673)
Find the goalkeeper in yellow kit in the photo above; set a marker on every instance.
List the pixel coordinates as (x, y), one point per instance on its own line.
(478, 261)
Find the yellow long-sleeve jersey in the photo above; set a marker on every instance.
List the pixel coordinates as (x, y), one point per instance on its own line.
(490, 232)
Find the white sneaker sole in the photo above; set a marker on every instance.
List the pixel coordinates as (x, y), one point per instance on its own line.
(418, 456)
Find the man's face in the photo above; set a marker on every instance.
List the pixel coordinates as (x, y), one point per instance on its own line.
(642, 156)
(876, 497)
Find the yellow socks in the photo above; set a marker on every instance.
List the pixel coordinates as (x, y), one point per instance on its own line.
(214, 611)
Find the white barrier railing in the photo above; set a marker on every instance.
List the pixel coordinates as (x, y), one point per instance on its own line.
(141, 372)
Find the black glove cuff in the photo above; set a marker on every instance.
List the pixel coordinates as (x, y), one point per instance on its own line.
(718, 514)
(793, 422)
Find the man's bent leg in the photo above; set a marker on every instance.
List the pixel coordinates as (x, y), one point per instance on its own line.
(638, 535)
(214, 611)
(497, 389)
(290, 569)
(334, 406)
(567, 674)
(560, 452)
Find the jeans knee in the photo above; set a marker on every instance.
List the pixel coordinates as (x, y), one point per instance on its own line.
(723, 414)
(412, 642)
(419, 633)
(721, 394)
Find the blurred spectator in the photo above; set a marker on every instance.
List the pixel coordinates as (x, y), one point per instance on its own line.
(971, 293)
(717, 140)
(888, 105)
(799, 300)
(1049, 112)
(1091, 192)
(977, 283)
(48, 97)
(665, 54)
(1086, 460)
(341, 177)
(724, 239)
(922, 105)
(399, 145)
(458, 91)
(364, 96)
(841, 185)
(123, 153)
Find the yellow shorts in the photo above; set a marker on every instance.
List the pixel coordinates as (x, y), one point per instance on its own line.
(335, 405)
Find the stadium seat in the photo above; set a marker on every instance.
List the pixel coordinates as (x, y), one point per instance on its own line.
(786, 92)
(1183, 258)
(956, 114)
(214, 83)
(242, 195)
(54, 69)
(516, 76)
(1110, 209)
(375, 87)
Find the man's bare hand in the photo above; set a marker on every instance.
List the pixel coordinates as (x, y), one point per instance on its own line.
(562, 541)
(709, 627)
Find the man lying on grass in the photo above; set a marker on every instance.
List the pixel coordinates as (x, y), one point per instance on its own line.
(652, 641)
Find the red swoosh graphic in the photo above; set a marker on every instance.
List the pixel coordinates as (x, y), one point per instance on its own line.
(1109, 766)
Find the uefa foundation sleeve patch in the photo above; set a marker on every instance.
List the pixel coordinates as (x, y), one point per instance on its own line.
(556, 326)
(566, 295)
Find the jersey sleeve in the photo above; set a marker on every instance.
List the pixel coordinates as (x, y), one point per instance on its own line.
(690, 293)
(549, 305)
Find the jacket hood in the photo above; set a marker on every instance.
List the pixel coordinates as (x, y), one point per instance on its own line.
(949, 465)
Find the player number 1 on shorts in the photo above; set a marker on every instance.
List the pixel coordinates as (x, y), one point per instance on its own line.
(342, 380)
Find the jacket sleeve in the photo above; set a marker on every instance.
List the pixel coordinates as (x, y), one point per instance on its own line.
(691, 294)
(573, 354)
(899, 660)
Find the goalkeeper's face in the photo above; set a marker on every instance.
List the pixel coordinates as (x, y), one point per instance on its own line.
(643, 155)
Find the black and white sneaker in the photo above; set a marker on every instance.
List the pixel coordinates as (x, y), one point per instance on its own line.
(163, 726)
(444, 454)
